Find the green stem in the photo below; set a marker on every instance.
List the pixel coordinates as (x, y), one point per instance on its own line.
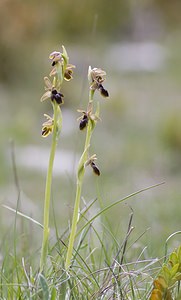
(44, 250)
(80, 177)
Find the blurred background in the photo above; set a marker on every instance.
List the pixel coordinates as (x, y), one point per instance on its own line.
(138, 141)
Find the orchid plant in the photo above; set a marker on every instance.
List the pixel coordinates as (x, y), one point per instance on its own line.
(88, 120)
(61, 70)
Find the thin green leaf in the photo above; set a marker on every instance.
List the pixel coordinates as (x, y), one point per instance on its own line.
(173, 259)
(53, 294)
(174, 270)
(23, 215)
(117, 202)
(44, 286)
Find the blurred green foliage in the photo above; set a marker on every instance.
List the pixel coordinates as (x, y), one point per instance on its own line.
(29, 24)
(171, 131)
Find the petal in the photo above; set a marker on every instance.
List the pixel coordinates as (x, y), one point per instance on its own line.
(90, 74)
(48, 123)
(70, 66)
(99, 72)
(68, 75)
(47, 82)
(48, 117)
(45, 96)
(55, 55)
(53, 72)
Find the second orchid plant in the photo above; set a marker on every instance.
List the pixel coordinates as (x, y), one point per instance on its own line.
(63, 70)
(88, 120)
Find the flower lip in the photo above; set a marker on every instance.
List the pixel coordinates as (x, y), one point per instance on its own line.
(57, 96)
(68, 72)
(91, 162)
(47, 126)
(46, 131)
(95, 169)
(83, 122)
(103, 91)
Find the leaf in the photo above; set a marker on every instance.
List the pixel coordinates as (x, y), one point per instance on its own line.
(160, 283)
(65, 55)
(179, 254)
(166, 274)
(44, 286)
(174, 270)
(178, 276)
(45, 96)
(53, 294)
(22, 215)
(173, 259)
(97, 110)
(116, 203)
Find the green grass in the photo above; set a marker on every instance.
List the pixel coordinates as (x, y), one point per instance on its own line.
(104, 266)
(97, 269)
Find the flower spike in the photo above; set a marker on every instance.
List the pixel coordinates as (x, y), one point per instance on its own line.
(61, 70)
